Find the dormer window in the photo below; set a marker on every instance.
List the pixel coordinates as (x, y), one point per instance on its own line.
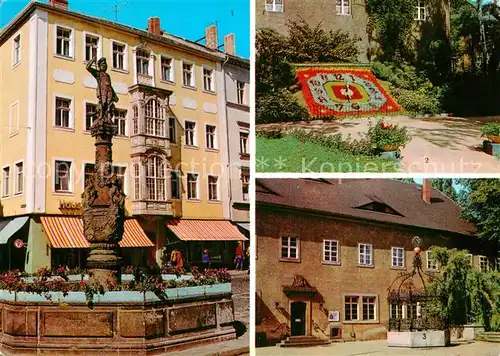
(379, 207)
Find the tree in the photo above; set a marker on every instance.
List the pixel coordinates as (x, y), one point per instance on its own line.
(480, 202)
(445, 186)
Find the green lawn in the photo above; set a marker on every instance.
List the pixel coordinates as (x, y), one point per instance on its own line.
(290, 155)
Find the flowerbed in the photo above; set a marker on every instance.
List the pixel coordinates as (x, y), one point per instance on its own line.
(341, 91)
(45, 282)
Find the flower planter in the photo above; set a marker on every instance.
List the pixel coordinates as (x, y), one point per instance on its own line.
(389, 148)
(493, 138)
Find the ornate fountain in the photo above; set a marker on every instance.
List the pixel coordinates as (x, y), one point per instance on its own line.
(103, 198)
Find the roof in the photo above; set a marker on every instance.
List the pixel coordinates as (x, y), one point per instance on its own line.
(205, 230)
(165, 39)
(347, 197)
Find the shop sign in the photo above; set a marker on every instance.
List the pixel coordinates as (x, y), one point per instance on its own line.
(19, 243)
(70, 207)
(333, 316)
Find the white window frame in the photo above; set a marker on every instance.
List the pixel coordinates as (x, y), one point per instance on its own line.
(158, 119)
(431, 265)
(71, 182)
(193, 74)
(243, 184)
(84, 45)
(126, 134)
(150, 60)
(136, 180)
(343, 7)
(213, 89)
(84, 124)
(71, 112)
(483, 259)
(125, 56)
(13, 126)
(197, 198)
(216, 143)
(195, 133)
(19, 59)
(155, 179)
(337, 256)
(247, 146)
(71, 42)
(173, 140)
(289, 247)
(6, 187)
(418, 7)
(359, 308)
(359, 254)
(393, 249)
(272, 6)
(217, 187)
(242, 91)
(170, 80)
(179, 184)
(19, 190)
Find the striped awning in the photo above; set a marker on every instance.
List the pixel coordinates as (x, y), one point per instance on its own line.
(67, 232)
(205, 230)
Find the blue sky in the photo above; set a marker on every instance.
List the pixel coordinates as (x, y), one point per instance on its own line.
(185, 18)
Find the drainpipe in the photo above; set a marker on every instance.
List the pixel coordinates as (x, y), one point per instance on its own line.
(230, 190)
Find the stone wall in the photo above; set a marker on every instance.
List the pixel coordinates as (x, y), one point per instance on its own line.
(126, 327)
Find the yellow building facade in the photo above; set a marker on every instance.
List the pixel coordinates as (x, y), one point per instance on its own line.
(172, 134)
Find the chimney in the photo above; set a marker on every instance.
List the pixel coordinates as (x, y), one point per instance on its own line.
(211, 37)
(63, 4)
(426, 191)
(229, 44)
(154, 26)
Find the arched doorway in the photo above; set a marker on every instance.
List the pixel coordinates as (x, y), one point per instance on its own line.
(298, 318)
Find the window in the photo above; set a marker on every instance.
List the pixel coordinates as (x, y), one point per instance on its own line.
(19, 178)
(431, 264)
(369, 308)
(91, 46)
(62, 176)
(411, 311)
(330, 251)
(190, 133)
(421, 13)
(121, 121)
(155, 123)
(274, 5)
(245, 184)
(240, 92)
(365, 254)
(6, 181)
(367, 304)
(483, 263)
(210, 137)
(155, 179)
(192, 185)
(167, 70)
(396, 311)
(135, 120)
(172, 129)
(119, 55)
(343, 7)
(398, 257)
(63, 42)
(16, 55)
(351, 308)
(290, 248)
(90, 115)
(244, 143)
(213, 183)
(63, 108)
(175, 179)
(137, 181)
(188, 74)
(142, 62)
(208, 79)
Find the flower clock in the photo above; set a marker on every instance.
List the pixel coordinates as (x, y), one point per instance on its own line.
(344, 91)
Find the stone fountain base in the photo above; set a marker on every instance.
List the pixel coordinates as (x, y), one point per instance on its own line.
(124, 323)
(419, 339)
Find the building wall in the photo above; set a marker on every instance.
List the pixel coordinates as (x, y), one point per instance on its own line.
(69, 78)
(314, 13)
(238, 117)
(332, 281)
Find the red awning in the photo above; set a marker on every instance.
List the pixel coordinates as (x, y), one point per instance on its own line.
(67, 232)
(205, 230)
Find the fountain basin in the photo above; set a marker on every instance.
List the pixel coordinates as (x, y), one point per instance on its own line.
(125, 323)
(427, 338)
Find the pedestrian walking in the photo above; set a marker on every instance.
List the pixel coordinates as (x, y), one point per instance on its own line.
(205, 259)
(239, 257)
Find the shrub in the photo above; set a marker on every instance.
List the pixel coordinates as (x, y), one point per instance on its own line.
(337, 142)
(491, 128)
(383, 134)
(279, 106)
